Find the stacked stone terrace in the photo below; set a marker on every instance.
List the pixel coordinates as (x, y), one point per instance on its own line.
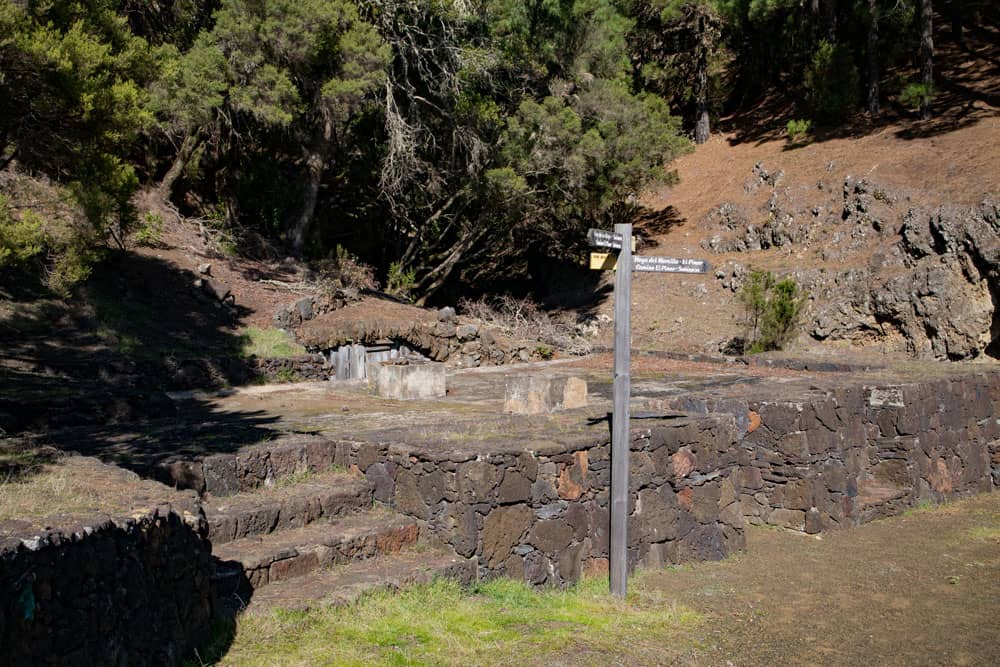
(821, 458)
(508, 496)
(349, 492)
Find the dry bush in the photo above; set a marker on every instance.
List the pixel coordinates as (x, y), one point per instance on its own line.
(342, 269)
(523, 319)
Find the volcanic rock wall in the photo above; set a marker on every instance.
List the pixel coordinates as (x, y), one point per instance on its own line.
(861, 452)
(131, 590)
(533, 506)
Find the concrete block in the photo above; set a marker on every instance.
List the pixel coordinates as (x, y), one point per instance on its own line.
(409, 380)
(539, 394)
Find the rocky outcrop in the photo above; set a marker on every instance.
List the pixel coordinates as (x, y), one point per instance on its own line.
(939, 293)
(309, 307)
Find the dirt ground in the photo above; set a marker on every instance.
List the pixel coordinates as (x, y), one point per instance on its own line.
(918, 589)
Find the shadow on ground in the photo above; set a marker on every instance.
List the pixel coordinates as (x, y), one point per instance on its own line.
(967, 78)
(90, 374)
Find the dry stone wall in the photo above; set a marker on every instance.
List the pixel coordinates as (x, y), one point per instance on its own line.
(538, 511)
(864, 452)
(541, 514)
(132, 590)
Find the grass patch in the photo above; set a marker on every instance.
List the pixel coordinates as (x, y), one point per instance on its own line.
(496, 623)
(269, 344)
(18, 462)
(920, 507)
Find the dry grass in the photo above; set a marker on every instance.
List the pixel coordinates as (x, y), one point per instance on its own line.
(52, 491)
(62, 489)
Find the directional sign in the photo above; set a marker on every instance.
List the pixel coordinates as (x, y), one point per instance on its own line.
(602, 239)
(604, 261)
(668, 264)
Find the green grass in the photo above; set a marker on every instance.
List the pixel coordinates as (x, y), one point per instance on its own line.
(495, 623)
(269, 344)
(921, 506)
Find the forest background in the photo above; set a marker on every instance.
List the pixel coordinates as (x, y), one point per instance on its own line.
(452, 146)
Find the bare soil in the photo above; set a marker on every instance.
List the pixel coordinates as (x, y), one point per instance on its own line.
(918, 589)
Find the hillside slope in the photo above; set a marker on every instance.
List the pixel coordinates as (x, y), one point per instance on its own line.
(862, 219)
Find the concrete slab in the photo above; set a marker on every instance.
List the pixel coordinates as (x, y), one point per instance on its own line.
(409, 380)
(540, 394)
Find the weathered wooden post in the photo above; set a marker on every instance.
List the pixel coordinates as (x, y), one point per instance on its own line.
(624, 264)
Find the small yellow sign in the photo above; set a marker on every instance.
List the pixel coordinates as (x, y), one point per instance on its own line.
(603, 261)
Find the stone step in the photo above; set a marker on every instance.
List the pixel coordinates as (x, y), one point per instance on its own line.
(250, 467)
(324, 495)
(343, 584)
(286, 554)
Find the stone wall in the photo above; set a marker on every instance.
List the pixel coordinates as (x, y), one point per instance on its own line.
(446, 339)
(528, 505)
(291, 369)
(542, 514)
(125, 591)
(862, 452)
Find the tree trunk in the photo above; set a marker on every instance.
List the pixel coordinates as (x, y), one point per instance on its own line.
(957, 15)
(315, 166)
(873, 74)
(702, 128)
(188, 147)
(926, 55)
(436, 277)
(831, 21)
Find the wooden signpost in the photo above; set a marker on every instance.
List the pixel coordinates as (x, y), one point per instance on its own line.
(624, 263)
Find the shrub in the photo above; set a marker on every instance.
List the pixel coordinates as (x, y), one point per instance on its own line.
(771, 311)
(20, 238)
(797, 130)
(832, 83)
(916, 95)
(150, 231)
(545, 351)
(342, 269)
(523, 319)
(400, 281)
(64, 244)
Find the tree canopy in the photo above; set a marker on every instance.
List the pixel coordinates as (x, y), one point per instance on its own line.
(442, 141)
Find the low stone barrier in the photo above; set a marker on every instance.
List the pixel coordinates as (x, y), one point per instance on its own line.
(124, 590)
(540, 513)
(531, 502)
(861, 452)
(868, 452)
(290, 369)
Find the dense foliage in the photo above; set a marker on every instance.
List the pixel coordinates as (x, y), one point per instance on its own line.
(442, 141)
